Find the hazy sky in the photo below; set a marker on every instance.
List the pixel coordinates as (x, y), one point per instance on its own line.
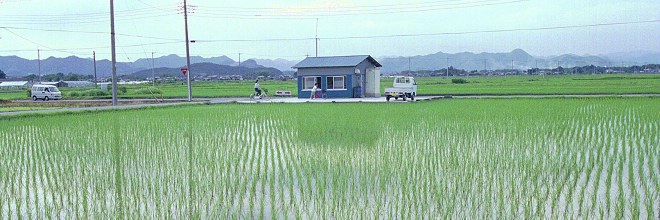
(285, 29)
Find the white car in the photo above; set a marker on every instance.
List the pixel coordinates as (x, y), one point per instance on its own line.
(403, 87)
(45, 92)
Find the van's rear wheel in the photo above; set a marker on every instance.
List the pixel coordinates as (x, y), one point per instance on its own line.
(46, 98)
(388, 97)
(34, 98)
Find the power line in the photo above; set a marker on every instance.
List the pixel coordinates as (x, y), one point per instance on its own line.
(83, 15)
(38, 44)
(174, 41)
(66, 50)
(171, 41)
(86, 32)
(86, 18)
(433, 34)
(293, 13)
(78, 20)
(152, 6)
(258, 40)
(367, 7)
(255, 13)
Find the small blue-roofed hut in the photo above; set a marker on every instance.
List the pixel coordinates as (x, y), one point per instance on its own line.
(339, 76)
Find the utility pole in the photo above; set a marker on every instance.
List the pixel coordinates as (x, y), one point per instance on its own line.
(114, 55)
(239, 63)
(153, 72)
(317, 37)
(96, 83)
(511, 65)
(39, 63)
(185, 17)
(447, 67)
(485, 67)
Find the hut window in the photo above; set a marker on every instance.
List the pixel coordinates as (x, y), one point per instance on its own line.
(336, 82)
(308, 82)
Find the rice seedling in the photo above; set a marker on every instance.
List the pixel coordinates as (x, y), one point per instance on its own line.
(518, 158)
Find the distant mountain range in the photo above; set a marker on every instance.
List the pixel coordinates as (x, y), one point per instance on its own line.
(518, 59)
(209, 69)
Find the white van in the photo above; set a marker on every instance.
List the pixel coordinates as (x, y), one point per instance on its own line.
(45, 92)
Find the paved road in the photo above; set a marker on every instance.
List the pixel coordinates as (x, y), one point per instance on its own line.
(171, 102)
(334, 100)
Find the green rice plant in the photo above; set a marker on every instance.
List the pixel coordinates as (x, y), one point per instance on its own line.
(608, 182)
(118, 167)
(448, 159)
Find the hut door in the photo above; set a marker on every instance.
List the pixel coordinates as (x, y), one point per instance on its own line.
(357, 85)
(370, 83)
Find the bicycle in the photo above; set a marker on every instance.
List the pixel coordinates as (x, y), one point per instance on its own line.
(264, 95)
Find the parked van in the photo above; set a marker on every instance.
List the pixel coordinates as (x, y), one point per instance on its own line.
(45, 92)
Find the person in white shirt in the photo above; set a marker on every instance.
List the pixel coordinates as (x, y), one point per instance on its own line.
(257, 88)
(314, 91)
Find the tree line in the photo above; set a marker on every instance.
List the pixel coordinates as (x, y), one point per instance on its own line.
(590, 69)
(56, 77)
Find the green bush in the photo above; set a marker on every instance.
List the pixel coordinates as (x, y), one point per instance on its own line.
(74, 93)
(122, 90)
(459, 81)
(94, 92)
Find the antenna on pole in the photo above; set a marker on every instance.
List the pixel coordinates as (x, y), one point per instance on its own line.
(317, 37)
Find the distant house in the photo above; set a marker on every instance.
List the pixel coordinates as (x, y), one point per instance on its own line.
(15, 85)
(59, 84)
(78, 83)
(339, 76)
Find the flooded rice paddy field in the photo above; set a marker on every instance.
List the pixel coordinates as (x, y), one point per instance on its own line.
(505, 158)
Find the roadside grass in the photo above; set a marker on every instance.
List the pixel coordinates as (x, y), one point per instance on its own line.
(16, 109)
